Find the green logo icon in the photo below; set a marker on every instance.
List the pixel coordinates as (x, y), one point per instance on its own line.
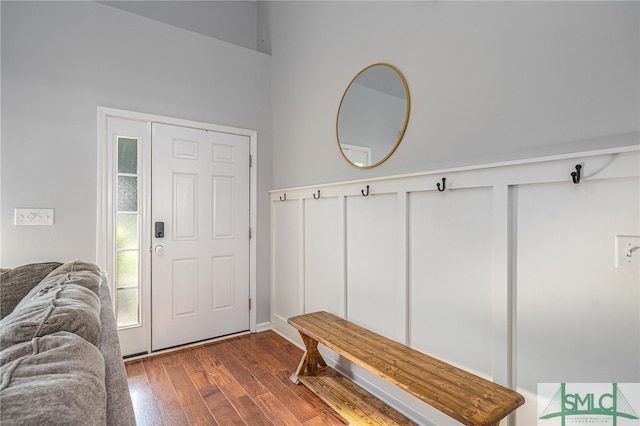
(588, 404)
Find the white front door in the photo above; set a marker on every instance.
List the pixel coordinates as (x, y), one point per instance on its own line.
(200, 261)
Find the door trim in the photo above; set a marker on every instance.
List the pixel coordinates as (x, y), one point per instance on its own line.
(105, 215)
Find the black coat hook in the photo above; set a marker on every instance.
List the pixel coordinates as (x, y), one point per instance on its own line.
(575, 176)
(285, 197)
(318, 197)
(443, 185)
(362, 191)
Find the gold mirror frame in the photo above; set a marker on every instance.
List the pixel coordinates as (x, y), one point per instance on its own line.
(404, 125)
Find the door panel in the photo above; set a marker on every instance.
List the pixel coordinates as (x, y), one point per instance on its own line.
(223, 274)
(201, 273)
(222, 196)
(185, 206)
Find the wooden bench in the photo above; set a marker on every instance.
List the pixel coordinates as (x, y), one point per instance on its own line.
(461, 395)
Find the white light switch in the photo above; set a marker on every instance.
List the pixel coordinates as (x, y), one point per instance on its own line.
(33, 217)
(627, 252)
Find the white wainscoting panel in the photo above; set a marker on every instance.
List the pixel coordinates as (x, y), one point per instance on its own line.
(286, 291)
(450, 251)
(508, 273)
(578, 317)
(375, 298)
(323, 254)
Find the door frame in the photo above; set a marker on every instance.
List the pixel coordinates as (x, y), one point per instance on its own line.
(105, 212)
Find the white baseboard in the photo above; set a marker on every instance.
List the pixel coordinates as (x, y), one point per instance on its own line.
(263, 326)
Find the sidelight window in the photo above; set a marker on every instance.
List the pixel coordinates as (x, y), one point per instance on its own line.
(127, 279)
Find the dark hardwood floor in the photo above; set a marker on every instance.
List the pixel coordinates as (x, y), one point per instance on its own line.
(239, 381)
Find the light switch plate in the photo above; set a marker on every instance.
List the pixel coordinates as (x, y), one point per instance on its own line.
(627, 252)
(33, 217)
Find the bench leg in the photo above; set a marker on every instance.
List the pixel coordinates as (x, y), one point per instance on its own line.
(311, 361)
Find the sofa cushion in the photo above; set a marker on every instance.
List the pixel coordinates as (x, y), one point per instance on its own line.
(15, 283)
(54, 380)
(63, 302)
(75, 266)
(77, 272)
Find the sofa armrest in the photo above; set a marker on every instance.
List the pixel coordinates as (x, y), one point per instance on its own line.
(17, 282)
(119, 406)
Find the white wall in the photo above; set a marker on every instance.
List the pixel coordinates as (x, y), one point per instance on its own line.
(509, 273)
(467, 274)
(60, 61)
(489, 81)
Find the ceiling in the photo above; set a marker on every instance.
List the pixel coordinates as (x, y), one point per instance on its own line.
(233, 21)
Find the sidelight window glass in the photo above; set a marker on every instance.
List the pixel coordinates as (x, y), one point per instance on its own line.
(127, 279)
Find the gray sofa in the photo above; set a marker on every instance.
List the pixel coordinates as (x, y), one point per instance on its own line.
(60, 359)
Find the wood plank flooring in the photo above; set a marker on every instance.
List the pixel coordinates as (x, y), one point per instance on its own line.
(239, 381)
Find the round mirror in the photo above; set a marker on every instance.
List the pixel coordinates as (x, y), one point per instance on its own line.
(373, 115)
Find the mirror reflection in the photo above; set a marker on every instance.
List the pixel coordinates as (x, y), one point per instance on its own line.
(373, 115)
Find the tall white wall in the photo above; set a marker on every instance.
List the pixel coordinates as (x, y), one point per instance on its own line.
(60, 61)
(510, 270)
(489, 81)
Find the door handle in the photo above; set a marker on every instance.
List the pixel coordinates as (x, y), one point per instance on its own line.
(159, 250)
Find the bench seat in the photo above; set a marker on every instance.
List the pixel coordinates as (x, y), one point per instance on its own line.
(466, 397)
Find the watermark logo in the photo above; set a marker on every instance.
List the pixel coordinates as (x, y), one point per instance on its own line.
(561, 404)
